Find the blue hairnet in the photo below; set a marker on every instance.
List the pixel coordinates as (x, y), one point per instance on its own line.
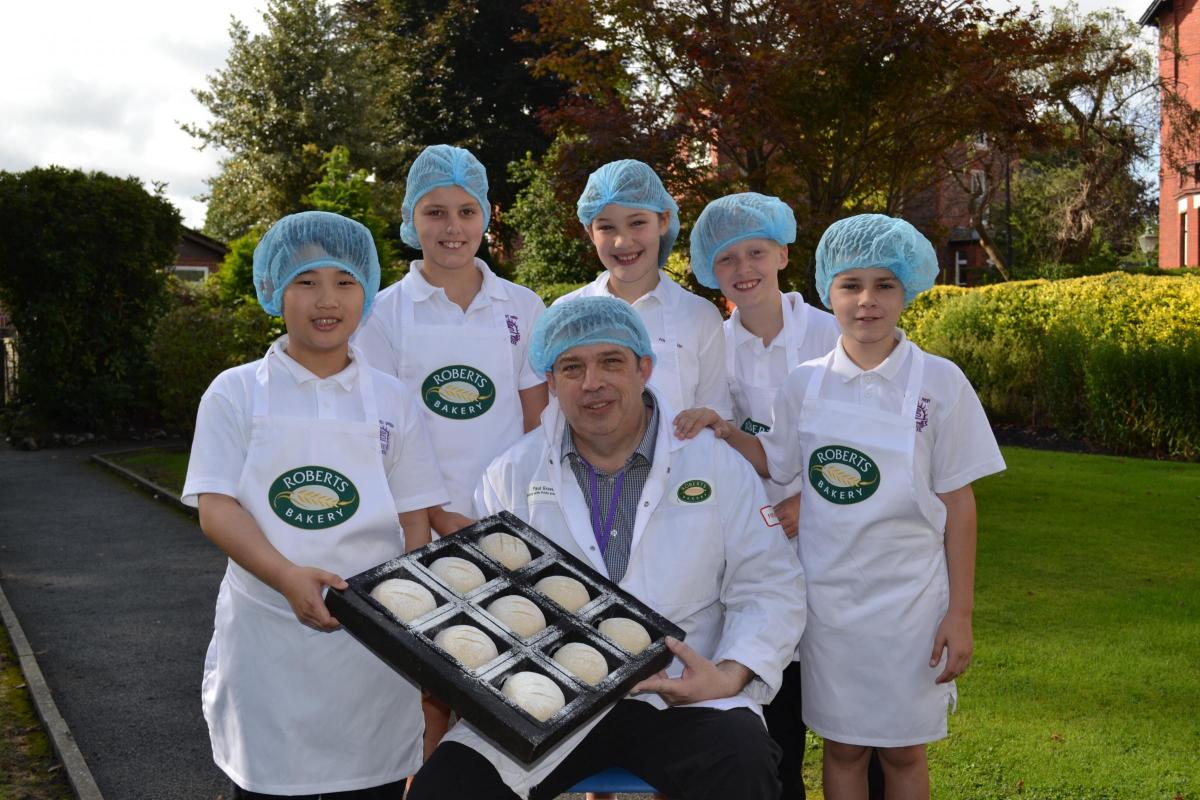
(631, 184)
(308, 240)
(875, 240)
(442, 165)
(730, 219)
(586, 320)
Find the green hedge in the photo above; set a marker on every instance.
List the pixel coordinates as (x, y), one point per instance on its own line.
(1114, 358)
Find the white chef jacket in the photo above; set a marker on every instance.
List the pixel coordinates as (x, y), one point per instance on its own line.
(380, 338)
(955, 444)
(716, 568)
(226, 412)
(700, 340)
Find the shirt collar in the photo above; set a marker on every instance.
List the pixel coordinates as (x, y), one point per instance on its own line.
(302, 374)
(741, 335)
(645, 447)
(659, 292)
(419, 288)
(847, 370)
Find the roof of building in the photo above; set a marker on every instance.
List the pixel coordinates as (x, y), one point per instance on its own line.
(207, 242)
(1151, 13)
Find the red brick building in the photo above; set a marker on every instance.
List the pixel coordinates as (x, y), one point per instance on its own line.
(1178, 23)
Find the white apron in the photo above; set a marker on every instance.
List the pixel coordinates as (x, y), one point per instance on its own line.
(468, 391)
(872, 547)
(754, 404)
(667, 377)
(292, 710)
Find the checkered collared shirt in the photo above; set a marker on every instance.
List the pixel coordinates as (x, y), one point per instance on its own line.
(637, 471)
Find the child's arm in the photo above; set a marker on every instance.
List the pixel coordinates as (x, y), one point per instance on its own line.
(787, 511)
(691, 422)
(416, 528)
(533, 401)
(954, 633)
(446, 522)
(232, 529)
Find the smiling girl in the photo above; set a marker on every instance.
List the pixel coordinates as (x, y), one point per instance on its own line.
(633, 222)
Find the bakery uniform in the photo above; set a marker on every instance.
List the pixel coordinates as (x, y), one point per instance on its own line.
(468, 366)
(874, 448)
(324, 466)
(702, 553)
(685, 332)
(755, 374)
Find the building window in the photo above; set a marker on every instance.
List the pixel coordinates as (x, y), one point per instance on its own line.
(960, 263)
(978, 183)
(194, 274)
(980, 141)
(1183, 239)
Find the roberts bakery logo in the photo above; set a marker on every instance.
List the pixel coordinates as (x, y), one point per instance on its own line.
(842, 475)
(313, 498)
(694, 491)
(458, 392)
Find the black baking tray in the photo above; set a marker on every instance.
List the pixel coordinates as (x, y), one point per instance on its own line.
(475, 694)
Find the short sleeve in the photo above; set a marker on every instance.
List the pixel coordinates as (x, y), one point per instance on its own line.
(964, 448)
(781, 443)
(219, 447)
(374, 339)
(413, 473)
(527, 378)
(712, 388)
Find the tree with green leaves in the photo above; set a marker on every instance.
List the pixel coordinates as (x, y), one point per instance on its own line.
(84, 258)
(284, 98)
(835, 107)
(451, 72)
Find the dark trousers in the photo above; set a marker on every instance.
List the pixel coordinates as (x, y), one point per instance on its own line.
(687, 753)
(785, 721)
(390, 791)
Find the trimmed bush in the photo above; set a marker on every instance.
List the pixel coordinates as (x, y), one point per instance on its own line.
(1114, 357)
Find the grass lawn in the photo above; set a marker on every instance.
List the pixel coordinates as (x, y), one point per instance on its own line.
(1086, 678)
(29, 769)
(166, 467)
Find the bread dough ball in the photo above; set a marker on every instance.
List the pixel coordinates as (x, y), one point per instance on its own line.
(506, 548)
(471, 646)
(583, 661)
(626, 633)
(567, 592)
(406, 599)
(519, 614)
(535, 693)
(461, 575)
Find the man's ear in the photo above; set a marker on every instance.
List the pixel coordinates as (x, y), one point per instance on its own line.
(550, 382)
(645, 367)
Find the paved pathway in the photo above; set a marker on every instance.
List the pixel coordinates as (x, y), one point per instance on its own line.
(115, 593)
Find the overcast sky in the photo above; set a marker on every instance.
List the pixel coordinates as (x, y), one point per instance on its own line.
(105, 86)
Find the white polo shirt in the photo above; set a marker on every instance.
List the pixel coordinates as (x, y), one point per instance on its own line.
(955, 444)
(756, 365)
(699, 337)
(380, 338)
(226, 414)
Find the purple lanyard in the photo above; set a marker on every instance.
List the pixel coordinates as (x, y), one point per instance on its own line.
(605, 532)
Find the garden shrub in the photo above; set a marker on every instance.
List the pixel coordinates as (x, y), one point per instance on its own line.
(1113, 357)
(83, 278)
(196, 341)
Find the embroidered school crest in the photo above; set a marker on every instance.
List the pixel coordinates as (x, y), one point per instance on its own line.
(514, 333)
(313, 497)
(842, 475)
(922, 414)
(458, 392)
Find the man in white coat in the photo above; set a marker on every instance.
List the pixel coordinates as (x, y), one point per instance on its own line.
(682, 525)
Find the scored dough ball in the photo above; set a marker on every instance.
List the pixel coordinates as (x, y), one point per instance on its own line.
(519, 614)
(583, 661)
(406, 599)
(461, 575)
(471, 646)
(627, 634)
(535, 693)
(567, 592)
(507, 549)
